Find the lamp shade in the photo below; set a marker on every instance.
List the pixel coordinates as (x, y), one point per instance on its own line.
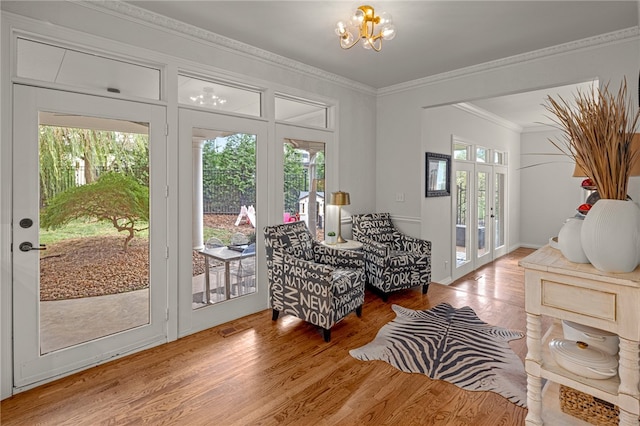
(340, 198)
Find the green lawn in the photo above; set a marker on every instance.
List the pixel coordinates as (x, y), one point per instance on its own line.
(90, 228)
(83, 228)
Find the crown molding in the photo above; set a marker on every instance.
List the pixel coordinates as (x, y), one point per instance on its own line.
(587, 43)
(142, 16)
(540, 128)
(486, 115)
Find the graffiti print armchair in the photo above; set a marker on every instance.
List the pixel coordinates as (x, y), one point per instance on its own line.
(393, 260)
(311, 281)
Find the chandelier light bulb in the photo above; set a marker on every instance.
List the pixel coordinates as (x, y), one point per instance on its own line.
(365, 25)
(341, 28)
(347, 40)
(385, 18)
(388, 32)
(358, 17)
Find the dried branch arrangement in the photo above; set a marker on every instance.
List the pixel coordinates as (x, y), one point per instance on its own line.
(597, 133)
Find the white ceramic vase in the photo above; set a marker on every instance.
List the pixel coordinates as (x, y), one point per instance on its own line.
(570, 241)
(610, 235)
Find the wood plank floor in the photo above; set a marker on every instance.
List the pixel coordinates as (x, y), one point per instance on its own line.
(253, 371)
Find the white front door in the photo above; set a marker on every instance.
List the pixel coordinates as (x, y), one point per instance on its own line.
(84, 291)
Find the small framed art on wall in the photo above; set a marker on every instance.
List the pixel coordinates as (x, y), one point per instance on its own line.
(438, 175)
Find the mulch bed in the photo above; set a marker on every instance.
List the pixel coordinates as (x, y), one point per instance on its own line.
(97, 266)
(93, 266)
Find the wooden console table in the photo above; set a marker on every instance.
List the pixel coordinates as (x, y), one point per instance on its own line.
(564, 290)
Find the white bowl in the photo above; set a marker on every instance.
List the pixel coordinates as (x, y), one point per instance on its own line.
(580, 359)
(596, 338)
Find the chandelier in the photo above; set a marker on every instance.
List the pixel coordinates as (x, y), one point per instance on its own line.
(363, 24)
(208, 98)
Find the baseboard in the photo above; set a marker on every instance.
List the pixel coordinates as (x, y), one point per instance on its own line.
(446, 281)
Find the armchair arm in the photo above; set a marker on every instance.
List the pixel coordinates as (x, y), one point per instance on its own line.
(337, 258)
(417, 245)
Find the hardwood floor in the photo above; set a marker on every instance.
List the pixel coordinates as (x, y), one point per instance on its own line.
(253, 371)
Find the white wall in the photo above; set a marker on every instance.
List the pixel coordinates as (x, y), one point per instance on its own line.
(438, 126)
(549, 194)
(399, 131)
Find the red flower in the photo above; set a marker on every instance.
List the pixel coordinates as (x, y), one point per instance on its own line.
(584, 208)
(587, 183)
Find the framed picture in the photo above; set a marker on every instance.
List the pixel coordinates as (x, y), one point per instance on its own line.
(438, 175)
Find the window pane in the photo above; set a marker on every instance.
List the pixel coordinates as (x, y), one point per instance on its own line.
(53, 64)
(304, 184)
(462, 218)
(224, 200)
(217, 96)
(301, 112)
(499, 157)
(481, 154)
(481, 197)
(460, 151)
(92, 172)
(499, 207)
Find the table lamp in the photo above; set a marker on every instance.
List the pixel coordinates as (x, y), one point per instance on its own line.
(340, 199)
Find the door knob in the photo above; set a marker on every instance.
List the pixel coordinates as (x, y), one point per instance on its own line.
(27, 246)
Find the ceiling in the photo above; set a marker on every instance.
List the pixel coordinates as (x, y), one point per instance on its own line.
(433, 37)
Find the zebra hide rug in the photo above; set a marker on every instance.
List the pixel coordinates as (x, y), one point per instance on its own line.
(453, 345)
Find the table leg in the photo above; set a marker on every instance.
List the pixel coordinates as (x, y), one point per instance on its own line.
(628, 392)
(227, 280)
(532, 363)
(206, 296)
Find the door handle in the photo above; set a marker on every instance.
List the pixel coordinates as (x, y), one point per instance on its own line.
(27, 246)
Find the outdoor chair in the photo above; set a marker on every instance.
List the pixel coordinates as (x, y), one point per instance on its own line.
(238, 239)
(393, 260)
(313, 282)
(216, 268)
(245, 273)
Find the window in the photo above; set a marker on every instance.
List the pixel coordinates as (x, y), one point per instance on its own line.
(53, 64)
(219, 96)
(482, 155)
(461, 151)
(301, 111)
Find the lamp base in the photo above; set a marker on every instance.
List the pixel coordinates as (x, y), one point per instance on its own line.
(340, 240)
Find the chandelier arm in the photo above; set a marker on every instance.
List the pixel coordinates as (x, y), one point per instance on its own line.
(351, 45)
(368, 34)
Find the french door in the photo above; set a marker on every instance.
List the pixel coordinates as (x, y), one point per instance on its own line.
(223, 195)
(479, 207)
(89, 278)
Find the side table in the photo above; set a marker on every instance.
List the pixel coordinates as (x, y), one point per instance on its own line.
(348, 245)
